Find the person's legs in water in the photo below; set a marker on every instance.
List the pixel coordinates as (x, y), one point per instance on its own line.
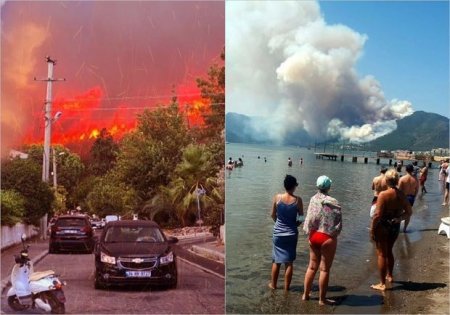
(274, 276)
(314, 262)
(328, 251)
(289, 270)
(390, 260)
(446, 194)
(382, 257)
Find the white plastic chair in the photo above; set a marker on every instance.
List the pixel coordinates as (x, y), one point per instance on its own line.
(445, 226)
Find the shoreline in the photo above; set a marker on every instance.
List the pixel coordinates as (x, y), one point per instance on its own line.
(428, 291)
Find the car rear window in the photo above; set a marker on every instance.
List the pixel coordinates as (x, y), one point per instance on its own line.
(71, 222)
(128, 234)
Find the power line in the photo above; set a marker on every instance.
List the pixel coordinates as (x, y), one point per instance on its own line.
(141, 97)
(128, 107)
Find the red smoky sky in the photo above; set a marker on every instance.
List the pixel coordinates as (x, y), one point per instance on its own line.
(117, 57)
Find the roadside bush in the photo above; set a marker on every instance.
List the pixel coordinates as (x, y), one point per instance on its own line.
(24, 176)
(13, 207)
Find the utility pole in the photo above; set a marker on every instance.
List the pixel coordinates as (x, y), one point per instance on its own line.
(47, 134)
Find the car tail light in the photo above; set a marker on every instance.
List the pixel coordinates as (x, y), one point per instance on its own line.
(55, 229)
(87, 230)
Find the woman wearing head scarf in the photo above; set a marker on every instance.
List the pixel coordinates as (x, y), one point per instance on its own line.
(392, 208)
(323, 223)
(286, 207)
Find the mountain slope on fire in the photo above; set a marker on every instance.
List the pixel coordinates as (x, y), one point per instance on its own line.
(151, 162)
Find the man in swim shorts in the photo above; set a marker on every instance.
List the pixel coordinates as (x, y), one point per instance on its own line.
(409, 185)
(378, 185)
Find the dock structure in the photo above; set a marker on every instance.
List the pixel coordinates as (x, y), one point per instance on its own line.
(326, 155)
(356, 157)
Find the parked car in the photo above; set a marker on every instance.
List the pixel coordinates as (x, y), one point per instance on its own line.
(112, 217)
(71, 232)
(98, 223)
(135, 252)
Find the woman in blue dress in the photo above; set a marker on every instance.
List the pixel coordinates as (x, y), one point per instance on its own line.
(285, 209)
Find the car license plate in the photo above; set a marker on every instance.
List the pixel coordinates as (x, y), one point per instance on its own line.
(138, 274)
(71, 231)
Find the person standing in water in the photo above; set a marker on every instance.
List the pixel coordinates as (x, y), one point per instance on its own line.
(378, 185)
(409, 185)
(289, 161)
(392, 208)
(423, 178)
(323, 223)
(284, 212)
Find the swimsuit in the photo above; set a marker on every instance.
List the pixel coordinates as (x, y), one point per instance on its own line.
(318, 238)
(411, 199)
(393, 229)
(285, 233)
(374, 200)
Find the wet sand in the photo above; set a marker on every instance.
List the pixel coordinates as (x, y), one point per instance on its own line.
(421, 276)
(421, 281)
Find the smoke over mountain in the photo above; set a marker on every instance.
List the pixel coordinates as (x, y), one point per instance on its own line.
(285, 63)
(118, 57)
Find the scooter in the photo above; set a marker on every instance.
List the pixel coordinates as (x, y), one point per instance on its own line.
(31, 289)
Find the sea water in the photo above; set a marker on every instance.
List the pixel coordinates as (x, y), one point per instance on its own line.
(249, 196)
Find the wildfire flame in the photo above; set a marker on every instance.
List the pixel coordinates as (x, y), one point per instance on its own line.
(86, 114)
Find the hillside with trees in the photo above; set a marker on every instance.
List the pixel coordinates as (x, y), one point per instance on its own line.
(155, 171)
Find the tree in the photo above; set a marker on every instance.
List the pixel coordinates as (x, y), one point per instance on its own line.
(103, 154)
(13, 207)
(69, 168)
(149, 155)
(110, 197)
(25, 177)
(179, 198)
(167, 128)
(82, 190)
(213, 90)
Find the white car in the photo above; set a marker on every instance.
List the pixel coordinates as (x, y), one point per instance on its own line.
(112, 217)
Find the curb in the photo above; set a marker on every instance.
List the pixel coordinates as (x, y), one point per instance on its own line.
(7, 282)
(208, 253)
(202, 268)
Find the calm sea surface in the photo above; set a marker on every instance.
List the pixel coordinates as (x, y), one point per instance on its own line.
(249, 193)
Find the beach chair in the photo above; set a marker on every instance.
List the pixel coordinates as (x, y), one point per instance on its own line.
(445, 226)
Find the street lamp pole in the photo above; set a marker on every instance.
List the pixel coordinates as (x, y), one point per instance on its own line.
(55, 181)
(47, 133)
(199, 192)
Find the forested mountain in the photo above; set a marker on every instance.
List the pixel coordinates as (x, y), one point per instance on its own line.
(420, 131)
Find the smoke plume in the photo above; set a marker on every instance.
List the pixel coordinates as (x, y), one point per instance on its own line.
(285, 63)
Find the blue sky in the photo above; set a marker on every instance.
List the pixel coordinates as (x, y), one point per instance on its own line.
(407, 49)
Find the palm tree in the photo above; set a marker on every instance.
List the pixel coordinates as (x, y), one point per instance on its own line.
(195, 171)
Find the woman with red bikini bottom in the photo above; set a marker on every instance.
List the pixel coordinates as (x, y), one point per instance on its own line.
(323, 223)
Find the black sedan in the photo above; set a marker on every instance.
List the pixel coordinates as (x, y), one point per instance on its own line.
(71, 232)
(135, 252)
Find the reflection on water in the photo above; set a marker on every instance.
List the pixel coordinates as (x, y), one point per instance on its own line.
(249, 193)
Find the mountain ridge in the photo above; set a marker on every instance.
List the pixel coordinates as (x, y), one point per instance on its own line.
(420, 131)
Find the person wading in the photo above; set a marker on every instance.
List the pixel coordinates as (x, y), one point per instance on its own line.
(392, 207)
(323, 223)
(284, 212)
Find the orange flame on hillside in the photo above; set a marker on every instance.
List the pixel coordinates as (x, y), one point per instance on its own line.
(85, 115)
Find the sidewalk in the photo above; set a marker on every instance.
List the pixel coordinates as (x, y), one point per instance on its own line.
(37, 251)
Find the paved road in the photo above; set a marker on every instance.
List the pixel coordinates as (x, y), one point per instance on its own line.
(197, 291)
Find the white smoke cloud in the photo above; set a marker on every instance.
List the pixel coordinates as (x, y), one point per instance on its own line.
(284, 62)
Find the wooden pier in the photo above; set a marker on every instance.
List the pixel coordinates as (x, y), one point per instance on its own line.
(355, 157)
